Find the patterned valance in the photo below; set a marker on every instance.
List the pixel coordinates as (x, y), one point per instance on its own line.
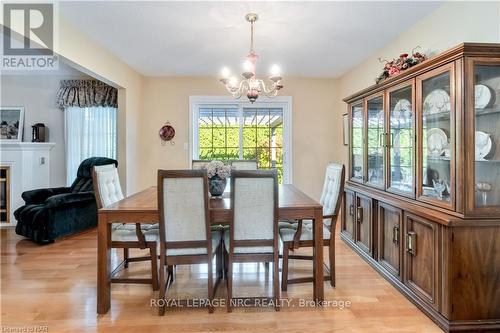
(86, 93)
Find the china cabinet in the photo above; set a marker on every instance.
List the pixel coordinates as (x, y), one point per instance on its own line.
(422, 202)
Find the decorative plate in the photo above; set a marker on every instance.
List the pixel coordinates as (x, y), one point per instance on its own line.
(482, 96)
(438, 101)
(402, 109)
(167, 132)
(403, 105)
(483, 145)
(437, 140)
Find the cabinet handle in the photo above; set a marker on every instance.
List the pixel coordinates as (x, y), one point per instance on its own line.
(395, 235)
(381, 139)
(411, 243)
(351, 210)
(360, 214)
(390, 141)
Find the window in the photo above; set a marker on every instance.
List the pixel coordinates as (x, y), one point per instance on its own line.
(223, 129)
(89, 132)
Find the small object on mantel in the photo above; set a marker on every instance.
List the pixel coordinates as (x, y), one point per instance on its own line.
(167, 133)
(38, 132)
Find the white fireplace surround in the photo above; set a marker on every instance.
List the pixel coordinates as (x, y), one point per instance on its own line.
(29, 164)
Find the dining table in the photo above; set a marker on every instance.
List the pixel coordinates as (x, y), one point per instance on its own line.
(142, 207)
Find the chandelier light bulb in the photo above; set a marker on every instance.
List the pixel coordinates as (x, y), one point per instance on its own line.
(225, 72)
(275, 70)
(233, 81)
(247, 66)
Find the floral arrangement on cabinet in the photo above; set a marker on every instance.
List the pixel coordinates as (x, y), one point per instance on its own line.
(217, 173)
(396, 66)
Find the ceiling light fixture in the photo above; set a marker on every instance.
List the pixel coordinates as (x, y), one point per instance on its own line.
(250, 84)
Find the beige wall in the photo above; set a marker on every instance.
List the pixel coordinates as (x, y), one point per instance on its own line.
(313, 127)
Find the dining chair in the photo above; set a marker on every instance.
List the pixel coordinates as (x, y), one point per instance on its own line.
(253, 231)
(198, 164)
(185, 234)
(126, 236)
(244, 164)
(300, 234)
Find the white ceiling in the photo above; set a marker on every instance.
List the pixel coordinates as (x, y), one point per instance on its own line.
(315, 39)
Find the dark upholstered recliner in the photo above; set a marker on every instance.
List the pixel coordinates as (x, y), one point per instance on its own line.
(55, 212)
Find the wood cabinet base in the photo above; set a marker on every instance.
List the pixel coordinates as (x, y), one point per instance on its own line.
(446, 324)
(449, 267)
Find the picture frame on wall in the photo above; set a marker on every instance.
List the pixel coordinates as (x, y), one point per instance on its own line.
(345, 121)
(11, 123)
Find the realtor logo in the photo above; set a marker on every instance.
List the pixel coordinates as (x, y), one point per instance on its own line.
(28, 38)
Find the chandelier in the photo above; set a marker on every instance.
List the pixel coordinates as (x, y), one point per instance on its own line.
(249, 84)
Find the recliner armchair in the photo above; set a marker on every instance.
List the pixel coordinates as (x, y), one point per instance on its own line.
(55, 212)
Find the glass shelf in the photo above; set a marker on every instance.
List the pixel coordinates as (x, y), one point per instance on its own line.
(487, 120)
(435, 129)
(487, 111)
(375, 138)
(401, 140)
(357, 142)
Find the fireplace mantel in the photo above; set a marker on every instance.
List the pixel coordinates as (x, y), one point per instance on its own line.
(5, 145)
(29, 164)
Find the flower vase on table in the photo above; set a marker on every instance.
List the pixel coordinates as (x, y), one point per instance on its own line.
(217, 173)
(216, 186)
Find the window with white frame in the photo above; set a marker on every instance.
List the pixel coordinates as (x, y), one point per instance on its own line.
(225, 129)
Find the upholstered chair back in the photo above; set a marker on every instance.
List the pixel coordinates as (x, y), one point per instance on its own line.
(198, 164)
(183, 205)
(83, 181)
(244, 164)
(254, 204)
(107, 183)
(333, 185)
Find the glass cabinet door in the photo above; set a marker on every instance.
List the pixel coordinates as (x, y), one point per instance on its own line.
(357, 142)
(483, 140)
(435, 111)
(375, 141)
(401, 141)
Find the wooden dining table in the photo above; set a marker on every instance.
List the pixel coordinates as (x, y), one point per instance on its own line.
(142, 207)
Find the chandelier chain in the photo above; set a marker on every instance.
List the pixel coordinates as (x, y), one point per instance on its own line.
(251, 37)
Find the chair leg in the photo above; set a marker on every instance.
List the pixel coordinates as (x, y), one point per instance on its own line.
(163, 288)
(226, 260)
(125, 257)
(331, 252)
(229, 279)
(284, 270)
(154, 267)
(276, 282)
(210, 284)
(218, 262)
(170, 270)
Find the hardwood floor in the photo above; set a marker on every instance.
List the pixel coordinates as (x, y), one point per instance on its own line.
(54, 286)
